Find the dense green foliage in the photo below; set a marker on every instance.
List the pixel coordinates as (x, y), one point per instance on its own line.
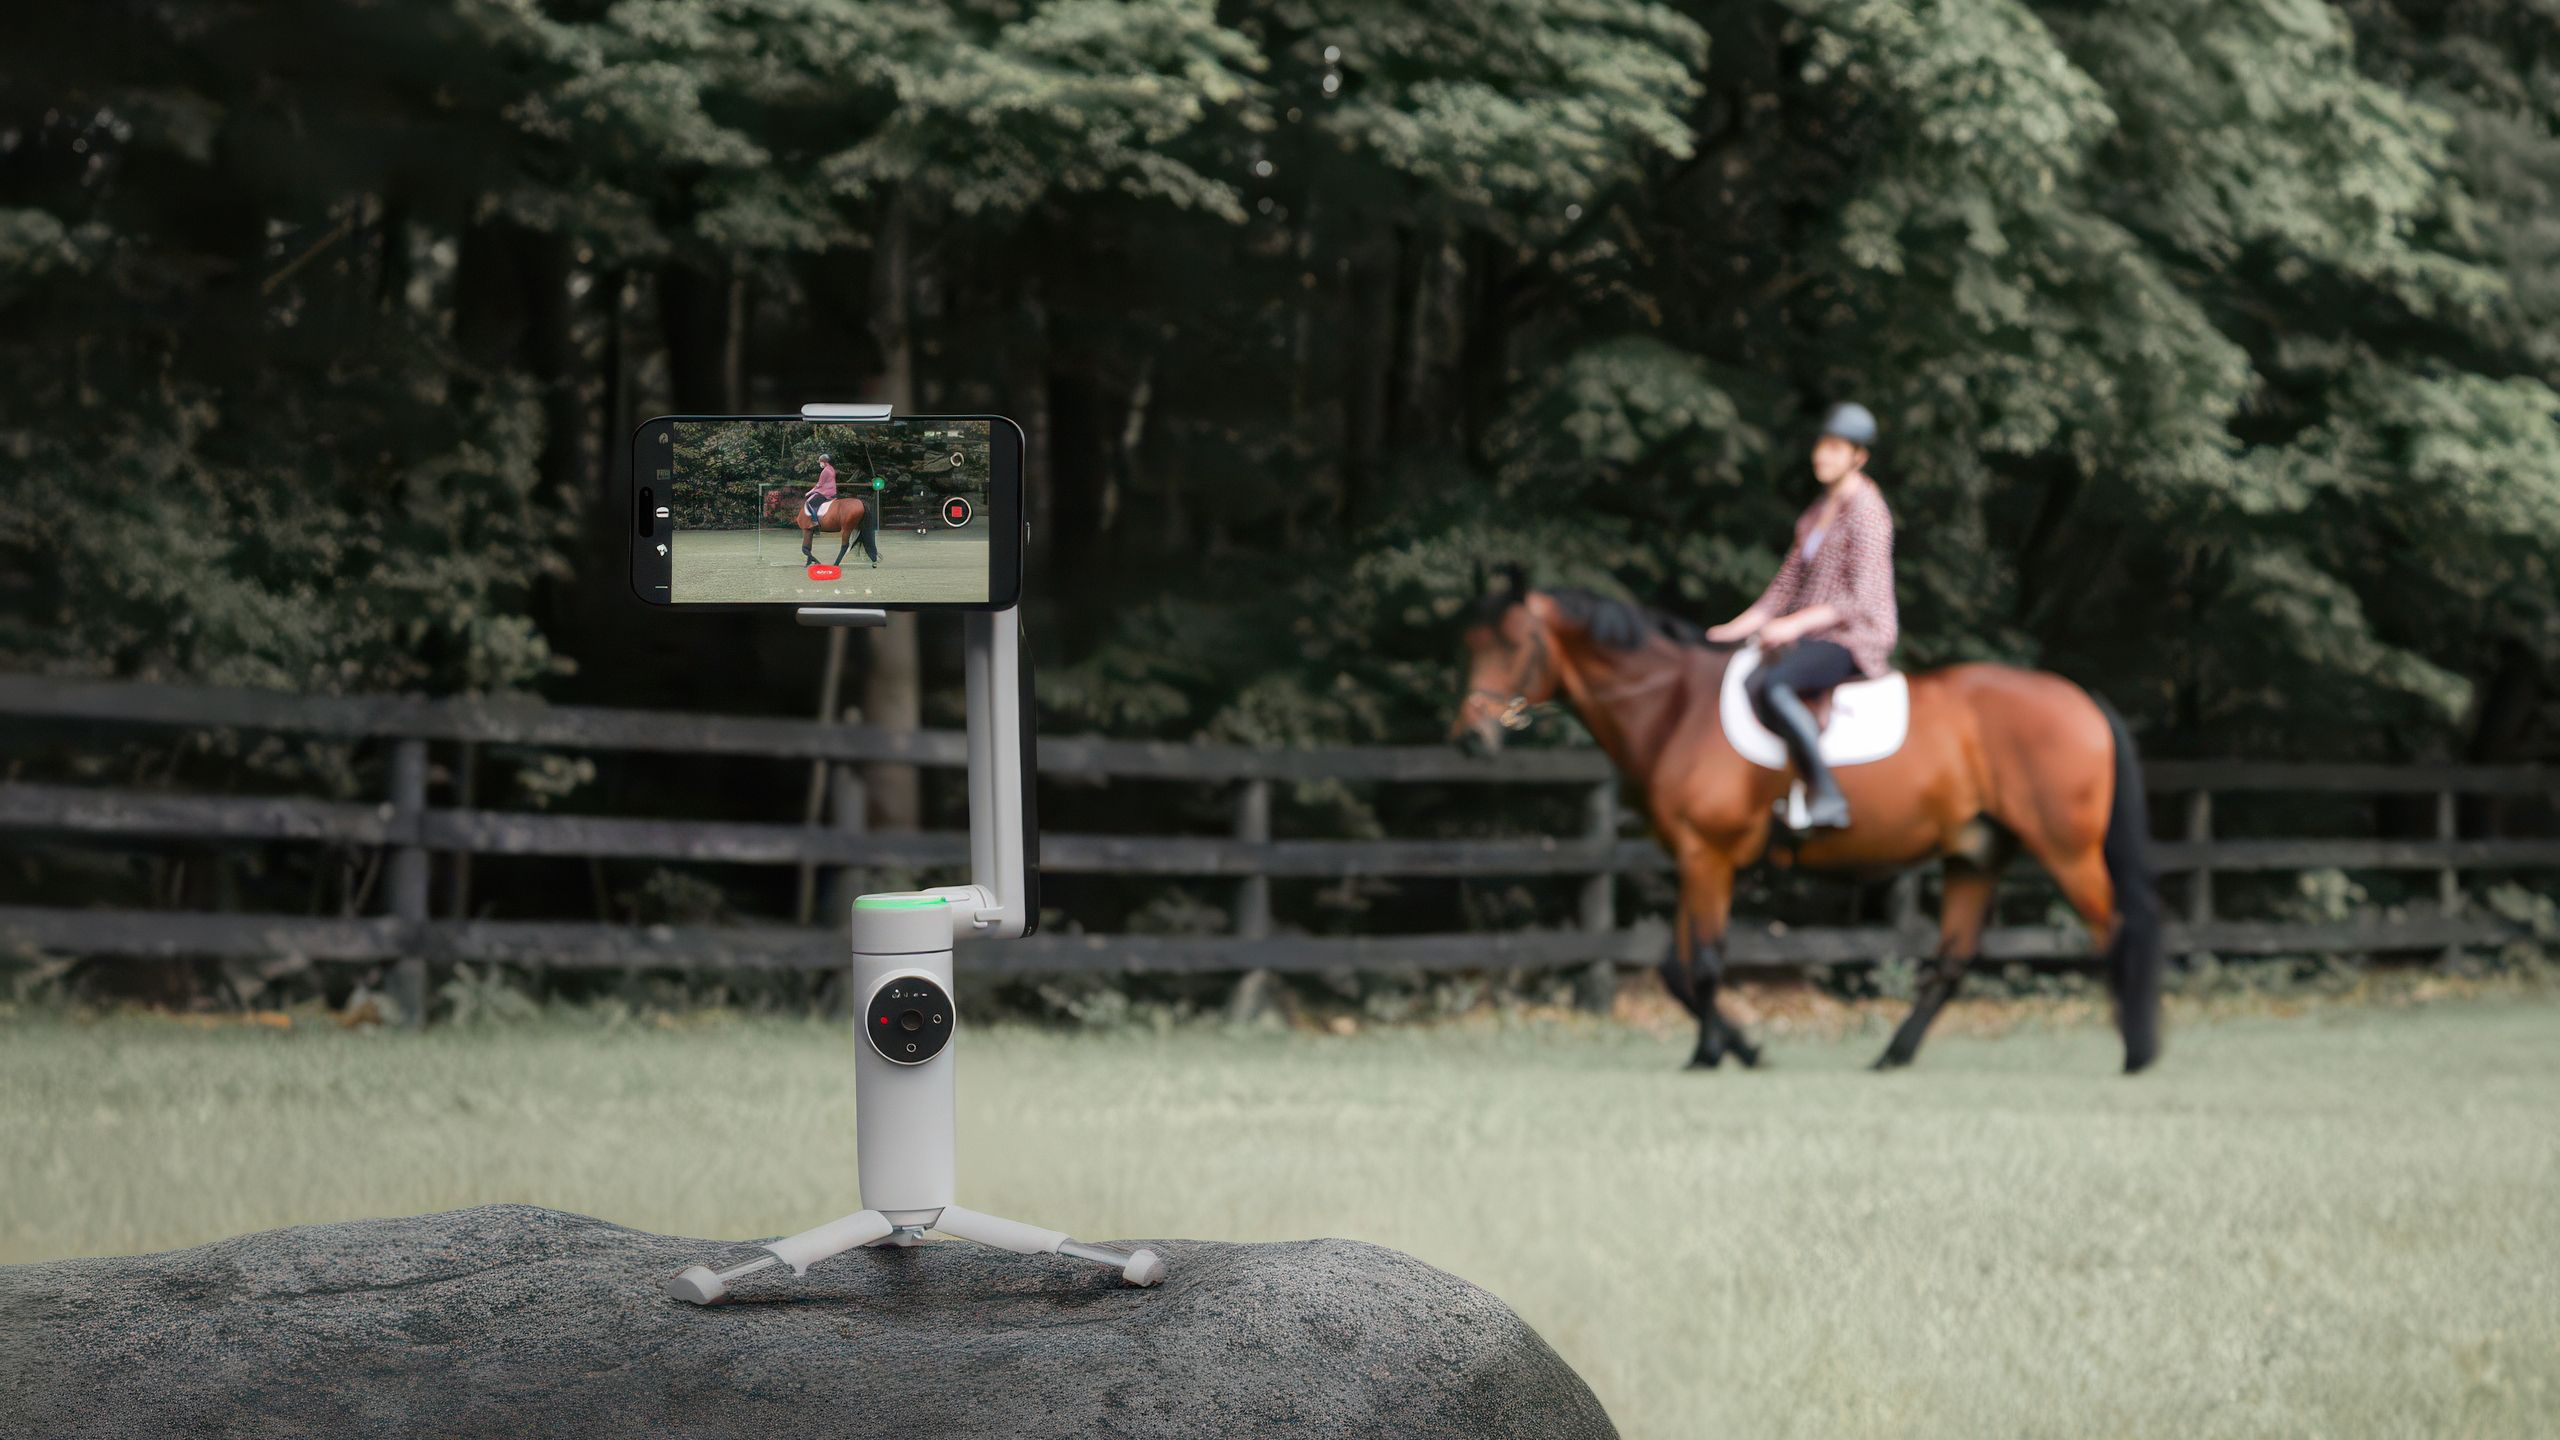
(2214, 341)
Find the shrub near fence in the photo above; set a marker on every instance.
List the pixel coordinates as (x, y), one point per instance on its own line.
(408, 830)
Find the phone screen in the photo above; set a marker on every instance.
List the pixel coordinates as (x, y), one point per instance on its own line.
(784, 510)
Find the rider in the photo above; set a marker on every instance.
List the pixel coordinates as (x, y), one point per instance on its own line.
(822, 492)
(1829, 615)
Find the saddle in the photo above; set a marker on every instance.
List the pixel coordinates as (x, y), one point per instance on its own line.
(1861, 720)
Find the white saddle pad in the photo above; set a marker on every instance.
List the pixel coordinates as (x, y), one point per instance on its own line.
(1869, 718)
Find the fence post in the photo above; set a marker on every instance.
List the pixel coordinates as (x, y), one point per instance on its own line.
(1255, 992)
(851, 799)
(466, 784)
(409, 878)
(830, 682)
(2448, 879)
(1253, 893)
(2200, 879)
(1596, 989)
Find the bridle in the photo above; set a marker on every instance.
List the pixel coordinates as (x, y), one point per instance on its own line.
(1517, 707)
(1519, 712)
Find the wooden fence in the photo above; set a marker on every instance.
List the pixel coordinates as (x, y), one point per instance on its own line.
(409, 829)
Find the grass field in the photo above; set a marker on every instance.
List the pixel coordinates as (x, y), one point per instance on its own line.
(742, 565)
(2340, 1224)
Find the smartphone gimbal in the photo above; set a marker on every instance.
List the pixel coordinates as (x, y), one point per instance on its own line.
(903, 1068)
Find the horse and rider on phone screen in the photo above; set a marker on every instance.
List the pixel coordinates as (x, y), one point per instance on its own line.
(755, 501)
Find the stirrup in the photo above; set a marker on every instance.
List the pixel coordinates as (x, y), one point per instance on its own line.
(1796, 817)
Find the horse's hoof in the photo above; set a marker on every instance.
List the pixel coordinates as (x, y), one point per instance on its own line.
(1890, 1061)
(1704, 1062)
(1750, 1058)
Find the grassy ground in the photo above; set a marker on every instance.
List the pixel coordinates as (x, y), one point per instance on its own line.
(2339, 1223)
(735, 565)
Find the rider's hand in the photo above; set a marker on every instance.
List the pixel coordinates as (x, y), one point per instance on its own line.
(1728, 631)
(1776, 633)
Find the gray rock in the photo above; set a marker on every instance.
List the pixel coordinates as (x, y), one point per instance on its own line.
(513, 1320)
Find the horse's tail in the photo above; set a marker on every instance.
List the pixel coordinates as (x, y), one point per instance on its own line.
(2133, 960)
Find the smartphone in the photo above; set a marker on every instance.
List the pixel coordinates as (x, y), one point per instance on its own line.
(917, 512)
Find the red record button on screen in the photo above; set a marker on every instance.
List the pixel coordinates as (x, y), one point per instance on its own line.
(955, 510)
(825, 572)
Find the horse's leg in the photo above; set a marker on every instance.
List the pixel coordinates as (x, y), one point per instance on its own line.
(1675, 967)
(1963, 907)
(1706, 901)
(807, 533)
(1736, 1042)
(844, 542)
(2083, 880)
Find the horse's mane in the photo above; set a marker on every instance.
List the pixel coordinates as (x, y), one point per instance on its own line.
(1622, 624)
(1615, 623)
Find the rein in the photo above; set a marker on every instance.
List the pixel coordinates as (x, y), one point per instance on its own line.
(1640, 687)
(1519, 712)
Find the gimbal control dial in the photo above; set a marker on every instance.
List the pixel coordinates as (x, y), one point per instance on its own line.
(909, 1019)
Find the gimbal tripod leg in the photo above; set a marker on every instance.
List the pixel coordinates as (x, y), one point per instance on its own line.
(1141, 1267)
(701, 1285)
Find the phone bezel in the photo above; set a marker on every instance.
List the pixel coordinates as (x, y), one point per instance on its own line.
(1005, 524)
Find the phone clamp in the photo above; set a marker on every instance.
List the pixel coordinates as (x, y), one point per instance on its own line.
(831, 617)
(839, 412)
(904, 1109)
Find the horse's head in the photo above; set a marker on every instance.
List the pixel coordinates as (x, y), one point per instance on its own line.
(1510, 668)
(1605, 653)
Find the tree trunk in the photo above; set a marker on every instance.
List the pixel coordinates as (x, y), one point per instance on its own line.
(703, 366)
(615, 409)
(1399, 386)
(2502, 715)
(1029, 381)
(1368, 372)
(1079, 460)
(513, 312)
(733, 353)
(1485, 365)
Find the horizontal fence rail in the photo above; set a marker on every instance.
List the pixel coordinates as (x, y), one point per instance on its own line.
(409, 831)
(159, 815)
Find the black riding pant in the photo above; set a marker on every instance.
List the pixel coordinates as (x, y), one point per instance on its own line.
(1807, 667)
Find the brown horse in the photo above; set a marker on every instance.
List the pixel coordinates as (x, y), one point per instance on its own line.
(845, 515)
(1998, 760)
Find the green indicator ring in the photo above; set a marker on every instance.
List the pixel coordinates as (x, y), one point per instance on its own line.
(879, 484)
(899, 902)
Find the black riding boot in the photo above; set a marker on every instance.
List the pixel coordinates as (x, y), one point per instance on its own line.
(1825, 807)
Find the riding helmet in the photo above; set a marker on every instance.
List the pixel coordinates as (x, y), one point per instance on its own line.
(1853, 423)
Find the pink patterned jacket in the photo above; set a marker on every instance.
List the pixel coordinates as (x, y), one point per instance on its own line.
(1847, 564)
